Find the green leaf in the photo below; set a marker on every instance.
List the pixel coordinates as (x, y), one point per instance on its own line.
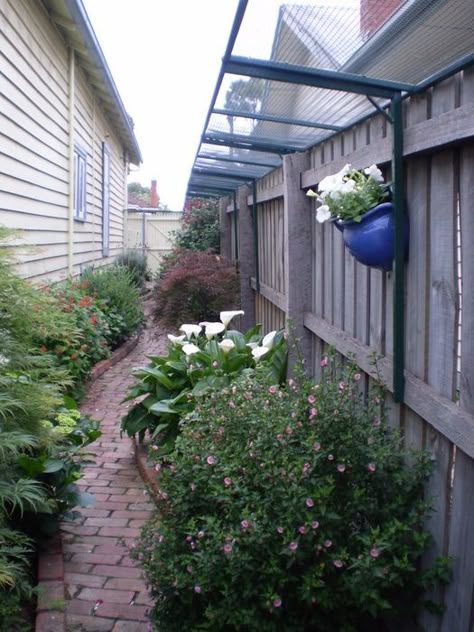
(162, 407)
(53, 465)
(160, 376)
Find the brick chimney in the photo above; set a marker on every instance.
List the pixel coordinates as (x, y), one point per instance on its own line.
(153, 194)
(373, 14)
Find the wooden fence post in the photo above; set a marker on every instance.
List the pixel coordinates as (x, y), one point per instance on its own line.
(225, 228)
(246, 258)
(297, 257)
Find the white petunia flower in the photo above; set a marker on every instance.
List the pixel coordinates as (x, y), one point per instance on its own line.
(226, 317)
(323, 213)
(189, 349)
(374, 172)
(348, 186)
(191, 330)
(226, 345)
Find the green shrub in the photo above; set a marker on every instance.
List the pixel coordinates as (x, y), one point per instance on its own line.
(115, 288)
(200, 226)
(136, 264)
(196, 288)
(202, 359)
(287, 509)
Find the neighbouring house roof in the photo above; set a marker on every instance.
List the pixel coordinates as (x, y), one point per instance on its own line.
(71, 19)
(137, 200)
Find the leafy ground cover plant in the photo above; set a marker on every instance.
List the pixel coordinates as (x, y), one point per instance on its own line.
(288, 509)
(205, 357)
(196, 288)
(136, 264)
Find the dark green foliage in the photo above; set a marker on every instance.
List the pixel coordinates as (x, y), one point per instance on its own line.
(196, 288)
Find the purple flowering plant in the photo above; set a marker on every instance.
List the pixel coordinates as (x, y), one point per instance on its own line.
(293, 509)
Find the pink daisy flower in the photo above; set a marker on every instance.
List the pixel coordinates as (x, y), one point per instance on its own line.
(293, 546)
(227, 482)
(210, 460)
(309, 502)
(341, 467)
(244, 524)
(371, 467)
(374, 552)
(338, 563)
(277, 602)
(197, 589)
(311, 399)
(272, 389)
(314, 524)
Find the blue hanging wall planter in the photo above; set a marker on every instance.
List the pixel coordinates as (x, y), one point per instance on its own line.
(370, 241)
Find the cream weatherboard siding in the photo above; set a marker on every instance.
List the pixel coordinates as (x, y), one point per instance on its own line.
(35, 173)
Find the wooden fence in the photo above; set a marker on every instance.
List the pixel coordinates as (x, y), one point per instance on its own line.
(293, 267)
(151, 233)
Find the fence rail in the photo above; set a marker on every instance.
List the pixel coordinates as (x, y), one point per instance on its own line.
(295, 268)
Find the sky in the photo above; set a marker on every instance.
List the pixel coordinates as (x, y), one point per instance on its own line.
(165, 57)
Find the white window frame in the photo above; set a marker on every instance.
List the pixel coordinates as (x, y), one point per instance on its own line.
(105, 199)
(80, 184)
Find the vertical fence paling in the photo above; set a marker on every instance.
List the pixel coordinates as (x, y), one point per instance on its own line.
(351, 306)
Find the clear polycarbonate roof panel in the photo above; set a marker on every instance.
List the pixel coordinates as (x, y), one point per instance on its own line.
(259, 114)
(401, 40)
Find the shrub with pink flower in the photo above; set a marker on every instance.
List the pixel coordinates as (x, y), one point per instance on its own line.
(314, 540)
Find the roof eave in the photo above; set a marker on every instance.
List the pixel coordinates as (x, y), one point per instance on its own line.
(73, 22)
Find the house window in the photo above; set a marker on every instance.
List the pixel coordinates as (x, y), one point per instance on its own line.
(105, 199)
(80, 178)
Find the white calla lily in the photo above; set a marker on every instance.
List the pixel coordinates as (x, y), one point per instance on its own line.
(311, 193)
(212, 329)
(226, 317)
(258, 352)
(190, 348)
(191, 330)
(226, 345)
(176, 339)
(268, 340)
(252, 345)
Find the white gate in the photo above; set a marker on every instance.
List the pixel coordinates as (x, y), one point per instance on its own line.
(150, 232)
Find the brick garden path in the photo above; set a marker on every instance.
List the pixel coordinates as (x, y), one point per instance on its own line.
(96, 561)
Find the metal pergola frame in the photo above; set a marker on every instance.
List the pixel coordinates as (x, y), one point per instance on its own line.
(392, 92)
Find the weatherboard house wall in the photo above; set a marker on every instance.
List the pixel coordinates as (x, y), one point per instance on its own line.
(52, 111)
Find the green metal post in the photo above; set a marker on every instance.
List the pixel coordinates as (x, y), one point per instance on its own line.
(255, 235)
(398, 286)
(236, 229)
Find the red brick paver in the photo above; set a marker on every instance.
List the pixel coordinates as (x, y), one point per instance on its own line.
(97, 566)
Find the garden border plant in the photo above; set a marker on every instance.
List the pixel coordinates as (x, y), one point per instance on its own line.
(207, 356)
(289, 508)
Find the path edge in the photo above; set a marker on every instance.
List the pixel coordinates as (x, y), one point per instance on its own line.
(50, 573)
